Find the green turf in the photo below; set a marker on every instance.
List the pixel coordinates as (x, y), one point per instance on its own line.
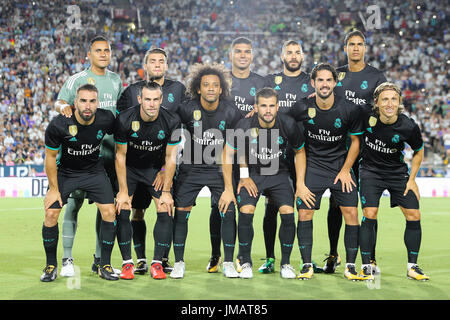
(22, 260)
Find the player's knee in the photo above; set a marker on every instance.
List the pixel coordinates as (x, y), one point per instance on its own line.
(350, 215)
(305, 215)
(370, 213)
(51, 217)
(249, 209)
(411, 214)
(138, 214)
(286, 210)
(108, 212)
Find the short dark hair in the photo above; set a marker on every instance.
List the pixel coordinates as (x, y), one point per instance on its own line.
(354, 33)
(95, 39)
(155, 50)
(87, 87)
(199, 70)
(265, 92)
(323, 66)
(241, 40)
(150, 85)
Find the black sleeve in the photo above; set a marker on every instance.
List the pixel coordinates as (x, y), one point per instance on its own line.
(298, 110)
(120, 133)
(175, 130)
(355, 121)
(415, 140)
(124, 101)
(295, 135)
(52, 136)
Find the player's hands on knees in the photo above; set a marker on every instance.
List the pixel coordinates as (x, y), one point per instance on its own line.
(308, 198)
(347, 182)
(166, 202)
(123, 201)
(412, 185)
(159, 181)
(248, 184)
(225, 199)
(51, 197)
(67, 111)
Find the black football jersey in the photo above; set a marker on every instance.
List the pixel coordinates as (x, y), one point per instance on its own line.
(205, 131)
(266, 148)
(289, 89)
(383, 144)
(326, 131)
(79, 144)
(147, 141)
(243, 91)
(173, 95)
(358, 87)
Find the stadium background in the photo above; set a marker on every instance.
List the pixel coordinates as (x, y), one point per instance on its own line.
(43, 43)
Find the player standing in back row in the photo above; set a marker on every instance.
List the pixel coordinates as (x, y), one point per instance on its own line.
(357, 81)
(291, 84)
(109, 87)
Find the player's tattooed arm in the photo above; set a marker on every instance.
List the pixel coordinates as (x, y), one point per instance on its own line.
(227, 168)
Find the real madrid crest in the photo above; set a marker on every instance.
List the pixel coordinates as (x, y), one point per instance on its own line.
(135, 125)
(341, 76)
(372, 121)
(73, 130)
(197, 114)
(91, 81)
(311, 112)
(278, 79)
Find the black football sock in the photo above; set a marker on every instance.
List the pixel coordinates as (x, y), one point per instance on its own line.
(287, 236)
(139, 234)
(107, 237)
(245, 234)
(50, 239)
(214, 231)
(375, 232)
(270, 228)
(351, 241)
(180, 233)
(228, 231)
(162, 234)
(305, 239)
(366, 238)
(413, 238)
(124, 234)
(334, 222)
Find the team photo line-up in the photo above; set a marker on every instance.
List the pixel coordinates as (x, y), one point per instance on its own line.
(289, 136)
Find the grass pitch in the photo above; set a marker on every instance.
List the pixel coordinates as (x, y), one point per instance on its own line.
(22, 260)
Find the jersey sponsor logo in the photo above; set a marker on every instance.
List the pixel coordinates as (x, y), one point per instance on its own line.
(91, 81)
(341, 76)
(364, 85)
(73, 130)
(171, 98)
(338, 123)
(135, 125)
(324, 135)
(252, 91)
(100, 134)
(161, 134)
(379, 146)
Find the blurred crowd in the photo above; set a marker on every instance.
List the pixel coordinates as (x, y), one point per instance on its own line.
(41, 46)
